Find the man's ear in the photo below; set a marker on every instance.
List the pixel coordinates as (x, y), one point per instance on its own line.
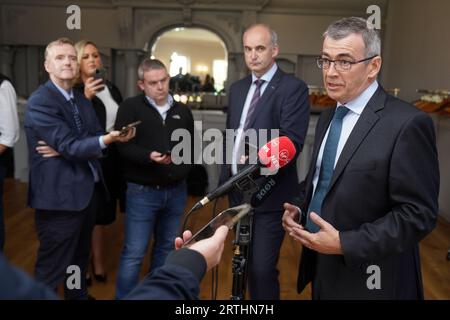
(375, 67)
(140, 84)
(46, 66)
(275, 51)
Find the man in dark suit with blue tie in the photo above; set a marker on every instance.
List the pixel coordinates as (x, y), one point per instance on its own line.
(270, 103)
(64, 189)
(371, 193)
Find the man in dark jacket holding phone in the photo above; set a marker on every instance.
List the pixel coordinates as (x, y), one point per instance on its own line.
(156, 188)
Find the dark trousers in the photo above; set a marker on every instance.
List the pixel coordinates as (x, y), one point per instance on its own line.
(65, 238)
(268, 234)
(2, 221)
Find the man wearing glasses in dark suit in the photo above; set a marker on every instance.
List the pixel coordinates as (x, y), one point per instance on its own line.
(371, 193)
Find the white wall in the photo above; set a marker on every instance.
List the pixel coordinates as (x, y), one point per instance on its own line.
(417, 48)
(417, 56)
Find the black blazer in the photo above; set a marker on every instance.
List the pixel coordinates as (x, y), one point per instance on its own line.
(173, 281)
(284, 105)
(383, 199)
(98, 105)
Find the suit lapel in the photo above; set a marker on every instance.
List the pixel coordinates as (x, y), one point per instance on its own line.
(362, 127)
(55, 92)
(66, 106)
(320, 132)
(322, 126)
(268, 92)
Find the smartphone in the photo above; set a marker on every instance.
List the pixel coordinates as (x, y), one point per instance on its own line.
(125, 129)
(166, 153)
(228, 218)
(100, 74)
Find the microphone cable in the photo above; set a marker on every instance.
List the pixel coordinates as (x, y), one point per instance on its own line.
(215, 270)
(186, 218)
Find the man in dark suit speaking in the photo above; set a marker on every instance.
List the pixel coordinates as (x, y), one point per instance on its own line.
(267, 99)
(371, 193)
(64, 189)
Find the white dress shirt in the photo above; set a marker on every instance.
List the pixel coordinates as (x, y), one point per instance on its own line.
(9, 120)
(266, 77)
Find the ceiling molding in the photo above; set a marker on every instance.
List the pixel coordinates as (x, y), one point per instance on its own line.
(301, 7)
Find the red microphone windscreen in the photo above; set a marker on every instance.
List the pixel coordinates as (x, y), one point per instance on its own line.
(277, 153)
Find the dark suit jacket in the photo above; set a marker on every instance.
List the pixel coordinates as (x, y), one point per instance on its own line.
(383, 199)
(284, 105)
(65, 182)
(111, 163)
(178, 279)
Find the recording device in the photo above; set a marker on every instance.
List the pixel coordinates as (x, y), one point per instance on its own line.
(125, 129)
(274, 155)
(228, 218)
(166, 153)
(100, 73)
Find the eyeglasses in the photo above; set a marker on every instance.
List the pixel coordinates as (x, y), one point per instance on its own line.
(340, 65)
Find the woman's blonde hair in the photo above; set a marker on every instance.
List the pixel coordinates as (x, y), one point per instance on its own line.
(79, 47)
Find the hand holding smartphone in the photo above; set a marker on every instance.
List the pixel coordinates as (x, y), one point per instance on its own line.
(228, 218)
(124, 130)
(100, 74)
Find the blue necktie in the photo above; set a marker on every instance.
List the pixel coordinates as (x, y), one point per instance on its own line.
(327, 166)
(79, 125)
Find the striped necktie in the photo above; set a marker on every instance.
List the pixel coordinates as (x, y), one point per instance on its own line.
(254, 102)
(79, 125)
(76, 116)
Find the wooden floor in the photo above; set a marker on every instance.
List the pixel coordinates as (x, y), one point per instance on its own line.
(22, 244)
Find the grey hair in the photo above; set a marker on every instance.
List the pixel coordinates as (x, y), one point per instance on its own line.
(344, 27)
(149, 64)
(57, 42)
(273, 34)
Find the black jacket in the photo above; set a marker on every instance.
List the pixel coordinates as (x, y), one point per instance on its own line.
(98, 105)
(153, 134)
(178, 279)
(383, 199)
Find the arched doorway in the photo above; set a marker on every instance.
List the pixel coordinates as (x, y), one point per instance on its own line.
(195, 54)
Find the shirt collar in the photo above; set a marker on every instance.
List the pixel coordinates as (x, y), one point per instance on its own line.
(268, 75)
(67, 95)
(358, 104)
(169, 100)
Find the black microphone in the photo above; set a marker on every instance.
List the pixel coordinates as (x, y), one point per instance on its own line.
(275, 154)
(264, 192)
